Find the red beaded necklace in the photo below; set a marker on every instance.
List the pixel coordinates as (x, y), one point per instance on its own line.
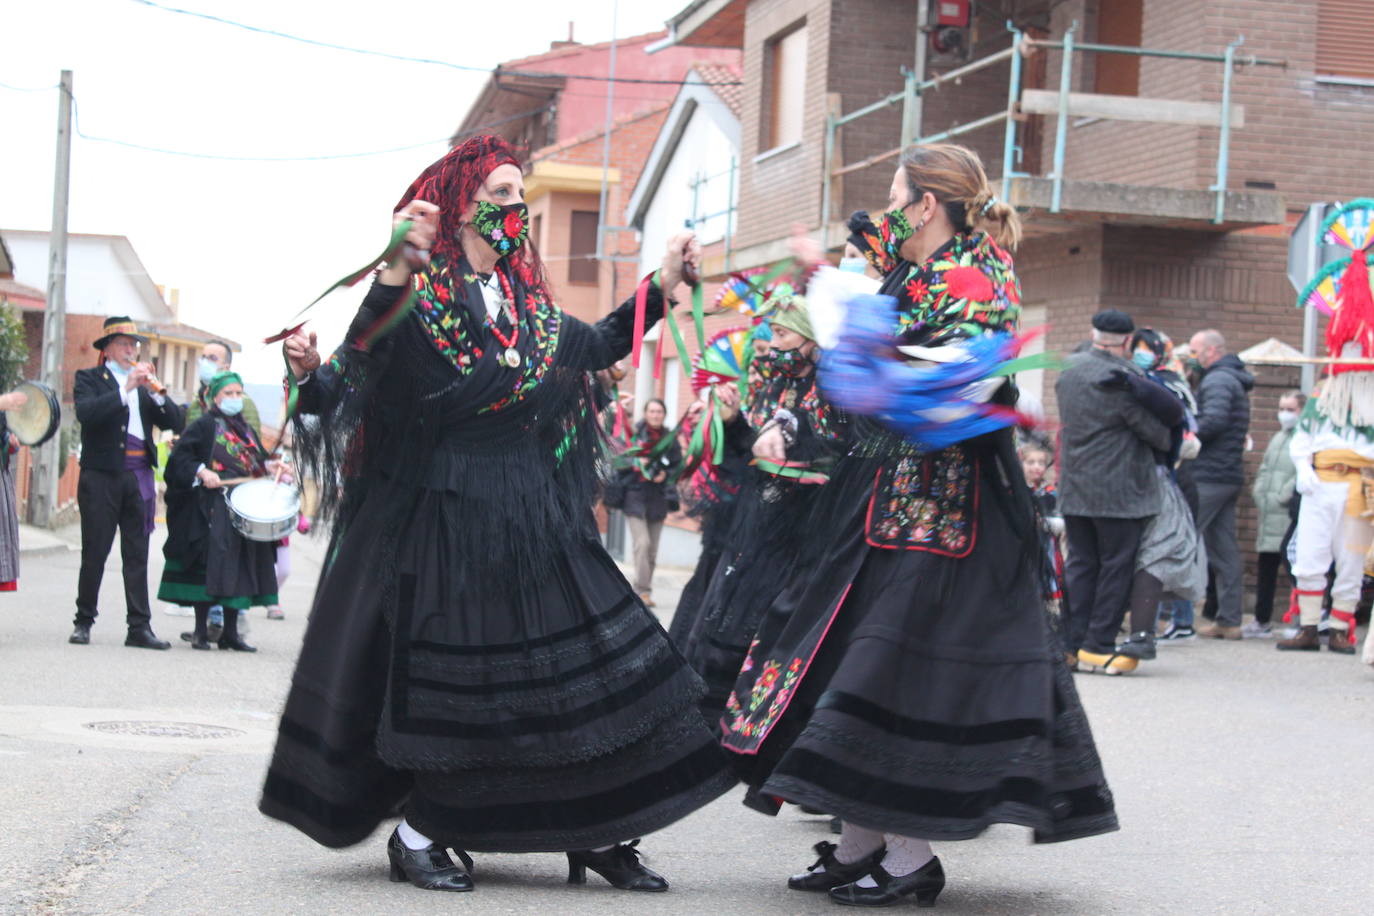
(510, 356)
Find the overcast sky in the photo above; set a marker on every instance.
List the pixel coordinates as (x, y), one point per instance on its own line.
(249, 243)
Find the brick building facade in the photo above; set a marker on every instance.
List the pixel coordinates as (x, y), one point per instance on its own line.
(1168, 264)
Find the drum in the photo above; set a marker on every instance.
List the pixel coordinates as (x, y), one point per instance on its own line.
(263, 510)
(38, 420)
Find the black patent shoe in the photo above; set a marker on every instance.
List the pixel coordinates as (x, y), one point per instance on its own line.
(199, 642)
(145, 638)
(235, 643)
(925, 883)
(430, 868)
(619, 865)
(81, 636)
(828, 872)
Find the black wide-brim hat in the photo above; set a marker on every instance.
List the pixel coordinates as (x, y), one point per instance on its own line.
(117, 326)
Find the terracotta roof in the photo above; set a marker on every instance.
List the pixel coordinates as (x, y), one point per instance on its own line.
(188, 332)
(578, 48)
(717, 75)
(21, 291)
(622, 121)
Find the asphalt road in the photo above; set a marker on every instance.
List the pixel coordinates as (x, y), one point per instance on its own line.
(1238, 773)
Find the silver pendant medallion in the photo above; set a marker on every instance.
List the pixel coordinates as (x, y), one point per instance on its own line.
(512, 357)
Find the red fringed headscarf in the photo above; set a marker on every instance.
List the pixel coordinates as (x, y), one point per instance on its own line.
(452, 182)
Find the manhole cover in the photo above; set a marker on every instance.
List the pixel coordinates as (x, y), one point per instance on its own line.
(162, 729)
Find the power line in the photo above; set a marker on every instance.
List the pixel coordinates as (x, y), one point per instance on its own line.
(76, 128)
(417, 60)
(32, 89)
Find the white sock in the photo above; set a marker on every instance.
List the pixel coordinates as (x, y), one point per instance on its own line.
(905, 854)
(413, 838)
(604, 848)
(857, 842)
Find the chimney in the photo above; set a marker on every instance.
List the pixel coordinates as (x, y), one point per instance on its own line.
(555, 45)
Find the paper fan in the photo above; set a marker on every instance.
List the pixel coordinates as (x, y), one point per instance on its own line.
(1324, 289)
(722, 360)
(1352, 226)
(743, 293)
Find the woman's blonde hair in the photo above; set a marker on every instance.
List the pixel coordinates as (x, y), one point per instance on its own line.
(954, 174)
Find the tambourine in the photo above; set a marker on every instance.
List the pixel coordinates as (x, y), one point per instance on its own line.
(38, 419)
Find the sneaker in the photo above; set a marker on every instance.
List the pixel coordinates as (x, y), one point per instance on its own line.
(176, 610)
(1219, 631)
(1256, 630)
(1177, 633)
(274, 612)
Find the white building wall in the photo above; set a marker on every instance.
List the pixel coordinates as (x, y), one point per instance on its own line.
(99, 280)
(704, 151)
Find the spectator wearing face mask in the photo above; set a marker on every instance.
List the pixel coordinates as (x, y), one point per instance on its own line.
(1273, 492)
(217, 357)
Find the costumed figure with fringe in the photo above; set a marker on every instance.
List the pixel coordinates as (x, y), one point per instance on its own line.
(909, 681)
(1333, 446)
(775, 501)
(474, 660)
(207, 561)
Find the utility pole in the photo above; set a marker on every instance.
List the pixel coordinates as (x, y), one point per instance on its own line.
(43, 493)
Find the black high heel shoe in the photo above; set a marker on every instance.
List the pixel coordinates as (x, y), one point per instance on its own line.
(828, 872)
(925, 883)
(430, 869)
(619, 865)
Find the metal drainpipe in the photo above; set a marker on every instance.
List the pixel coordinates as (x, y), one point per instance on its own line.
(1061, 129)
(606, 144)
(1224, 147)
(1013, 94)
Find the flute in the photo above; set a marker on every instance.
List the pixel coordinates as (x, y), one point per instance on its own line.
(150, 372)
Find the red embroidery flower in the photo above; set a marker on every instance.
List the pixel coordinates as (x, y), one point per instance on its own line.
(917, 289)
(969, 283)
(441, 292)
(513, 225)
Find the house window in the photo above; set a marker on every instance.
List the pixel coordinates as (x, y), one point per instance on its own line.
(784, 87)
(1118, 23)
(1345, 34)
(582, 263)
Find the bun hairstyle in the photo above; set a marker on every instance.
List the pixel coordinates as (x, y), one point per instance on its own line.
(954, 174)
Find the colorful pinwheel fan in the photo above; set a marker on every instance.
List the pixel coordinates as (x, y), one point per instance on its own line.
(745, 292)
(722, 359)
(1342, 289)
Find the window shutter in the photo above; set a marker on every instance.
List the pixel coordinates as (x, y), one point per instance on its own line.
(1345, 38)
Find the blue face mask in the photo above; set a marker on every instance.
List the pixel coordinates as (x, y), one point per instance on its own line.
(853, 265)
(231, 407)
(206, 370)
(116, 368)
(1144, 359)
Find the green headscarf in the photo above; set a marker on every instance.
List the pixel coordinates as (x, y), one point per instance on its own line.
(791, 312)
(220, 380)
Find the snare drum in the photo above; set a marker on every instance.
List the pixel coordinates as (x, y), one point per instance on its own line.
(37, 421)
(262, 510)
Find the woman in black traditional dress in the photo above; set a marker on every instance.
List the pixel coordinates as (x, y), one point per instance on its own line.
(207, 562)
(474, 660)
(769, 521)
(910, 682)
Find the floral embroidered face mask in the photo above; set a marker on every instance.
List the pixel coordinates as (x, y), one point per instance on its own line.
(895, 230)
(503, 228)
(791, 363)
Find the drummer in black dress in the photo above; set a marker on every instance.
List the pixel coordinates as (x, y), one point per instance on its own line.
(207, 561)
(907, 680)
(474, 659)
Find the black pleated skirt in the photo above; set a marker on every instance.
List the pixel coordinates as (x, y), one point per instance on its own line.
(919, 692)
(542, 715)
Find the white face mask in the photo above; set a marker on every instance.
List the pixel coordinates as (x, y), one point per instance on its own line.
(1288, 419)
(206, 369)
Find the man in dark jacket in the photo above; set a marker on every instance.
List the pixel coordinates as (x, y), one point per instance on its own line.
(1223, 421)
(118, 403)
(1108, 488)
